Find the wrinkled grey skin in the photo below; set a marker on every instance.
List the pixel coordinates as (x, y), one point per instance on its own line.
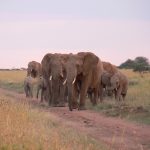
(28, 86)
(83, 70)
(119, 83)
(41, 86)
(52, 70)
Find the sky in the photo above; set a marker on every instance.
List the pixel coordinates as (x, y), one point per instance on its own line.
(115, 30)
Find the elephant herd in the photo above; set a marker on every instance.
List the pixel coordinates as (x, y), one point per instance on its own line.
(71, 77)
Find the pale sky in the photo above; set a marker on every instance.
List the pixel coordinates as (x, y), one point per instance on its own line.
(114, 30)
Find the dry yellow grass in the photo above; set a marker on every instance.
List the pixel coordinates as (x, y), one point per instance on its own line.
(138, 94)
(12, 76)
(22, 127)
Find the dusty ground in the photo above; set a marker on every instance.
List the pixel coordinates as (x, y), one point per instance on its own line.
(118, 134)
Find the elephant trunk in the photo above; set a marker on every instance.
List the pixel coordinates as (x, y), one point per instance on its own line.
(70, 96)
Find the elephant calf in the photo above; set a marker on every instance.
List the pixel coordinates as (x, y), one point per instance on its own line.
(119, 83)
(41, 86)
(28, 86)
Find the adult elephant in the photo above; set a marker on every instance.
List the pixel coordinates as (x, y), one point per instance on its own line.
(110, 68)
(119, 83)
(52, 70)
(34, 69)
(84, 70)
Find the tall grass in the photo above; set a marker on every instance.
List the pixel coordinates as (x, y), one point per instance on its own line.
(13, 80)
(25, 128)
(12, 76)
(138, 95)
(137, 103)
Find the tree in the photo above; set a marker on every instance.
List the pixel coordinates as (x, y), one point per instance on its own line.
(141, 64)
(129, 64)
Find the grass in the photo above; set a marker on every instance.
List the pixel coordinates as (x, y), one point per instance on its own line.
(137, 104)
(25, 128)
(138, 96)
(13, 80)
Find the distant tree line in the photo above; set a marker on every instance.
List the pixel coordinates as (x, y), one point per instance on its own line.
(15, 69)
(139, 64)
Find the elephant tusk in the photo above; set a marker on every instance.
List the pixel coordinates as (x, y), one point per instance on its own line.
(64, 82)
(50, 78)
(74, 80)
(61, 74)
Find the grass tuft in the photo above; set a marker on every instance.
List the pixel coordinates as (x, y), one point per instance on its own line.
(22, 127)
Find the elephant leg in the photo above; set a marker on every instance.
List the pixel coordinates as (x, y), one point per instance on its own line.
(49, 91)
(115, 91)
(118, 94)
(38, 89)
(25, 89)
(62, 95)
(31, 94)
(123, 96)
(66, 94)
(101, 92)
(84, 88)
(42, 94)
(90, 96)
(95, 99)
(28, 91)
(55, 92)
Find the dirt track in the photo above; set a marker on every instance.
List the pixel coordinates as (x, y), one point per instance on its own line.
(116, 133)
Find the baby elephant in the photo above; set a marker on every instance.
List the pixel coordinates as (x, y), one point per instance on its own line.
(41, 86)
(28, 86)
(119, 83)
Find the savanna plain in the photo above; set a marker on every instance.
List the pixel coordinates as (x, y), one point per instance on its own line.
(25, 124)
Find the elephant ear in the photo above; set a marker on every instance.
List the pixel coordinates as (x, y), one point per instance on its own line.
(106, 78)
(90, 61)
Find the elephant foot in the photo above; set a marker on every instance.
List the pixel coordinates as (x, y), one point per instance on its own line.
(75, 105)
(60, 105)
(82, 108)
(54, 105)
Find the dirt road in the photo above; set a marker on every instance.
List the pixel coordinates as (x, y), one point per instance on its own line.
(118, 134)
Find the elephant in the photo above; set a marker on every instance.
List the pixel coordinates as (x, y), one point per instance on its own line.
(34, 69)
(105, 81)
(108, 72)
(119, 83)
(41, 86)
(110, 68)
(82, 70)
(28, 86)
(52, 70)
